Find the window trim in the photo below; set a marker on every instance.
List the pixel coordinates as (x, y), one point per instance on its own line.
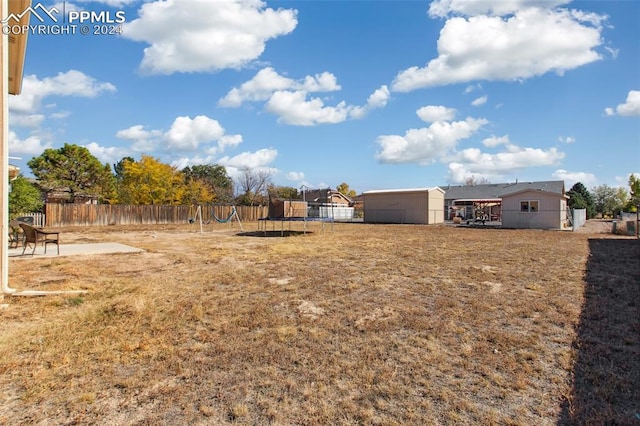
(529, 204)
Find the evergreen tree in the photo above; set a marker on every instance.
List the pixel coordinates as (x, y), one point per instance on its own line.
(581, 198)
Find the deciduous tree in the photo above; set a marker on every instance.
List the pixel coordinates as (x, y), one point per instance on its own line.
(24, 197)
(150, 181)
(344, 189)
(214, 177)
(253, 185)
(607, 199)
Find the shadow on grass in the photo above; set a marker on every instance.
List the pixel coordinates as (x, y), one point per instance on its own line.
(285, 233)
(606, 375)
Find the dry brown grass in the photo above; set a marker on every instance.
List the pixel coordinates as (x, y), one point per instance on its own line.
(360, 325)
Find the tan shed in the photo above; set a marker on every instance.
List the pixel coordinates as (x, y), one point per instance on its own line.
(418, 205)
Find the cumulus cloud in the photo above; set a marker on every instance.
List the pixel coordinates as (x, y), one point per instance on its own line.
(428, 144)
(290, 99)
(628, 109)
(203, 35)
(526, 42)
(494, 141)
(186, 134)
(444, 8)
(105, 154)
(295, 176)
(495, 166)
(571, 178)
(260, 160)
(294, 108)
(142, 140)
(33, 145)
(433, 113)
(70, 83)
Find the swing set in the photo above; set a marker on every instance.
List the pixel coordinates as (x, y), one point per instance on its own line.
(198, 218)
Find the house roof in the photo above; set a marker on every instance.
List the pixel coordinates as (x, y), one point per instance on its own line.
(523, 191)
(499, 190)
(324, 195)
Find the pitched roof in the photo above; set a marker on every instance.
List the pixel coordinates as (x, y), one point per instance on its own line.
(390, 191)
(498, 190)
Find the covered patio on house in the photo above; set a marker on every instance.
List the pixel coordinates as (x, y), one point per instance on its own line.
(472, 210)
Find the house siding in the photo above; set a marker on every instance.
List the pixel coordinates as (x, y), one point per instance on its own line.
(551, 212)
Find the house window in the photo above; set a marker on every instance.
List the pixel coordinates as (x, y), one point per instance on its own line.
(529, 206)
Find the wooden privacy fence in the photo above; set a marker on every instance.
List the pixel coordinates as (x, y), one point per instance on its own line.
(120, 214)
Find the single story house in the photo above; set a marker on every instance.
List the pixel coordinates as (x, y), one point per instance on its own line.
(469, 201)
(535, 209)
(418, 205)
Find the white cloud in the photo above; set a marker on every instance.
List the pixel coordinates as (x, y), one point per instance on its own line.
(203, 35)
(426, 145)
(513, 158)
(252, 160)
(628, 109)
(494, 141)
(259, 160)
(26, 120)
(433, 113)
(378, 99)
(289, 99)
(480, 101)
(293, 108)
(70, 83)
(473, 162)
(529, 43)
(188, 134)
(32, 145)
(295, 176)
(570, 178)
(567, 139)
(444, 8)
(143, 140)
(201, 133)
(105, 154)
(267, 82)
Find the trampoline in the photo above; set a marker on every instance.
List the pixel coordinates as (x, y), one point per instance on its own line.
(262, 223)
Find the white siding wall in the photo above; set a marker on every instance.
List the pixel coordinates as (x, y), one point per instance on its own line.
(550, 214)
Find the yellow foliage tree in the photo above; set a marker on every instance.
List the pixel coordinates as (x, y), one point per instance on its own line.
(150, 181)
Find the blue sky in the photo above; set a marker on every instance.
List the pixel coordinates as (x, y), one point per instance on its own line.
(377, 94)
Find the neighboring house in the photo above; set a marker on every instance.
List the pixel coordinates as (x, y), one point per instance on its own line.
(328, 203)
(63, 195)
(467, 201)
(535, 209)
(418, 205)
(326, 197)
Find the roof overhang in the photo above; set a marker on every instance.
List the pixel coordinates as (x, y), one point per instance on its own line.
(17, 43)
(478, 200)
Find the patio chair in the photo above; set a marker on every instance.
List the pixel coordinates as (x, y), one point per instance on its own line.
(16, 235)
(33, 235)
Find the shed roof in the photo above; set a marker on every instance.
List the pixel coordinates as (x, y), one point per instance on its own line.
(398, 191)
(499, 190)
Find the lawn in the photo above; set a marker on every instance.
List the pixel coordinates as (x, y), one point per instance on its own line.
(350, 324)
